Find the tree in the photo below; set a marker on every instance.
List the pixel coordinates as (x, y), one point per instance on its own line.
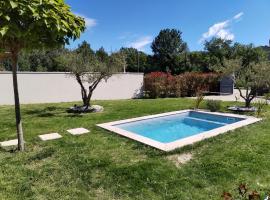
(34, 24)
(250, 69)
(218, 50)
(137, 61)
(167, 47)
(199, 61)
(102, 55)
(85, 49)
(266, 49)
(90, 70)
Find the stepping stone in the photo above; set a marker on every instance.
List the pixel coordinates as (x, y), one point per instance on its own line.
(50, 136)
(78, 131)
(9, 143)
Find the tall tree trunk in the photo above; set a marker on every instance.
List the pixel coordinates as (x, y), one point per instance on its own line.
(17, 101)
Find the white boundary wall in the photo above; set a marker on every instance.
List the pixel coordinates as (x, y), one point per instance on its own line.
(46, 87)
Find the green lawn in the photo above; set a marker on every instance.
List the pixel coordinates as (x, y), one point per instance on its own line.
(102, 165)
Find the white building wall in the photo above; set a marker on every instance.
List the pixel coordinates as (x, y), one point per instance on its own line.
(61, 87)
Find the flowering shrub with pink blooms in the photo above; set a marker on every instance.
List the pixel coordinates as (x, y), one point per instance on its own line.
(160, 84)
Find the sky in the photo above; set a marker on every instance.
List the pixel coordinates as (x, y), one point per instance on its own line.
(113, 24)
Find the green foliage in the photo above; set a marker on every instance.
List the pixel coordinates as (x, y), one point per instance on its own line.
(199, 61)
(40, 60)
(167, 48)
(91, 68)
(266, 49)
(217, 51)
(249, 54)
(198, 100)
(251, 75)
(85, 49)
(137, 61)
(102, 55)
(260, 105)
(267, 96)
(37, 23)
(213, 105)
(248, 65)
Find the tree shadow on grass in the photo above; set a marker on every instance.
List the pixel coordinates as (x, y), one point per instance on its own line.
(74, 115)
(44, 112)
(46, 153)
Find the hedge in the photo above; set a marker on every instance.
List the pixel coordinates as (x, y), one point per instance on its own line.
(160, 84)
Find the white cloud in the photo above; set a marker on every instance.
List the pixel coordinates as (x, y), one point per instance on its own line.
(141, 42)
(221, 29)
(238, 16)
(127, 35)
(225, 34)
(89, 22)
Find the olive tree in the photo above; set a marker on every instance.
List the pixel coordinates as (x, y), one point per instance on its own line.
(90, 69)
(251, 78)
(250, 71)
(33, 24)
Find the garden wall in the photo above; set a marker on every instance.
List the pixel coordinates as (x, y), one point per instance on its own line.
(60, 87)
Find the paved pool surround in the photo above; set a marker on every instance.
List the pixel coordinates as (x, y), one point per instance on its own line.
(111, 126)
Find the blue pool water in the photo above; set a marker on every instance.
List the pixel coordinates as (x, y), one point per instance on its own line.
(174, 127)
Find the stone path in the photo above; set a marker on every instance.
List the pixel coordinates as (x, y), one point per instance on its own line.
(46, 137)
(50, 136)
(78, 131)
(9, 143)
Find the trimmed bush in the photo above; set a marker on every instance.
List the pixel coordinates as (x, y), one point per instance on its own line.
(160, 84)
(213, 105)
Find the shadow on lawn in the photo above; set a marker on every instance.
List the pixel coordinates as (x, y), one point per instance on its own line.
(45, 153)
(74, 115)
(45, 112)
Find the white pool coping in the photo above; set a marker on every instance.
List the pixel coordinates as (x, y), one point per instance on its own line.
(184, 141)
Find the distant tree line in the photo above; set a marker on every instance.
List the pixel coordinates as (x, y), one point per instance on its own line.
(170, 54)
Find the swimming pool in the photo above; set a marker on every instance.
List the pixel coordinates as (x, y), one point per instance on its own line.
(171, 130)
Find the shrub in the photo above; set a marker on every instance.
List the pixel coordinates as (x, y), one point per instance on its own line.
(159, 84)
(260, 104)
(213, 105)
(199, 99)
(193, 82)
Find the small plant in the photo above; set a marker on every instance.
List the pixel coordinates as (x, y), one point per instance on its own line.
(243, 194)
(199, 99)
(260, 104)
(213, 105)
(267, 97)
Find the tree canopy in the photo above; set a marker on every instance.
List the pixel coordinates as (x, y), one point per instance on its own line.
(167, 47)
(35, 23)
(217, 51)
(90, 68)
(137, 61)
(250, 71)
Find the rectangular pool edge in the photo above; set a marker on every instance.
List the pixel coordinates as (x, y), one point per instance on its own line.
(110, 126)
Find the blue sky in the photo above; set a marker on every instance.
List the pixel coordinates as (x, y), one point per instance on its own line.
(117, 23)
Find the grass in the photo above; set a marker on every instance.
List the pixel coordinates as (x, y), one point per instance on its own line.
(102, 165)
